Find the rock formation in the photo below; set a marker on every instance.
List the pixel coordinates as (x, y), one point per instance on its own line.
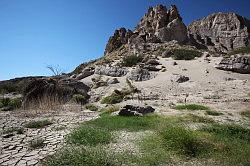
(220, 32)
(158, 25)
(236, 63)
(130, 110)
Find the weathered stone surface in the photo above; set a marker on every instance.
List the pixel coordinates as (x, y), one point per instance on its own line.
(130, 110)
(61, 90)
(111, 71)
(180, 78)
(113, 81)
(221, 32)
(119, 38)
(140, 74)
(236, 63)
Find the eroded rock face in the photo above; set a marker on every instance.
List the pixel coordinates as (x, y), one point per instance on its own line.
(114, 71)
(130, 110)
(158, 25)
(237, 63)
(220, 32)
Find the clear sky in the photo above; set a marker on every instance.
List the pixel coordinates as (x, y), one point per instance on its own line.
(66, 33)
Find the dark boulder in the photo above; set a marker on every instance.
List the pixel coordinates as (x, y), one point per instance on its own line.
(130, 110)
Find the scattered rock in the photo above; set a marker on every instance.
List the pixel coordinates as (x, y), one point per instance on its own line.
(85, 73)
(180, 79)
(175, 63)
(152, 62)
(130, 110)
(236, 63)
(167, 54)
(111, 71)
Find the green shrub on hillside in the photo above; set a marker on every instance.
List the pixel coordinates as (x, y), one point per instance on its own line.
(131, 60)
(184, 54)
(242, 50)
(13, 103)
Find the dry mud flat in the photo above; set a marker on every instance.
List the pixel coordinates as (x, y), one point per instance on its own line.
(15, 148)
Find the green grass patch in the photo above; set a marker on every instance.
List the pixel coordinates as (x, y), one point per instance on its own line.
(242, 50)
(213, 113)
(90, 135)
(197, 119)
(36, 143)
(131, 60)
(185, 54)
(38, 124)
(91, 107)
(245, 113)
(17, 130)
(191, 107)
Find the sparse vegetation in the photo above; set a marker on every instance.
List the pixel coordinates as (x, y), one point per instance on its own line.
(242, 50)
(131, 60)
(17, 130)
(36, 143)
(245, 113)
(213, 113)
(113, 98)
(38, 124)
(109, 110)
(91, 107)
(14, 103)
(198, 119)
(8, 88)
(185, 54)
(191, 107)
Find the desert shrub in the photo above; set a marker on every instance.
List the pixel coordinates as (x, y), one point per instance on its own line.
(109, 110)
(36, 143)
(245, 113)
(191, 107)
(80, 99)
(5, 102)
(131, 60)
(242, 50)
(12, 103)
(112, 99)
(89, 135)
(38, 124)
(185, 54)
(91, 107)
(213, 113)
(17, 130)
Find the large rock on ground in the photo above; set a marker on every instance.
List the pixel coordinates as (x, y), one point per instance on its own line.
(113, 71)
(236, 63)
(49, 89)
(130, 110)
(221, 32)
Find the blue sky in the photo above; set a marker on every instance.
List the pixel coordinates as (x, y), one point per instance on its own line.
(65, 33)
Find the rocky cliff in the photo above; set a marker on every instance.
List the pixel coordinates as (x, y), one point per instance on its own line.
(220, 32)
(158, 25)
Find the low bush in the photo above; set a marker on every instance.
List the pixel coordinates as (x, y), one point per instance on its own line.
(245, 113)
(80, 99)
(131, 60)
(17, 130)
(185, 54)
(38, 124)
(36, 143)
(213, 113)
(91, 107)
(112, 99)
(14, 103)
(191, 107)
(242, 50)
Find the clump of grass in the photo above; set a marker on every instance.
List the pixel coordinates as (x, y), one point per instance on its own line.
(59, 128)
(245, 113)
(185, 54)
(17, 130)
(80, 99)
(229, 131)
(198, 119)
(131, 60)
(81, 156)
(242, 50)
(213, 113)
(91, 107)
(12, 103)
(109, 110)
(191, 107)
(212, 97)
(112, 99)
(89, 135)
(38, 124)
(36, 143)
